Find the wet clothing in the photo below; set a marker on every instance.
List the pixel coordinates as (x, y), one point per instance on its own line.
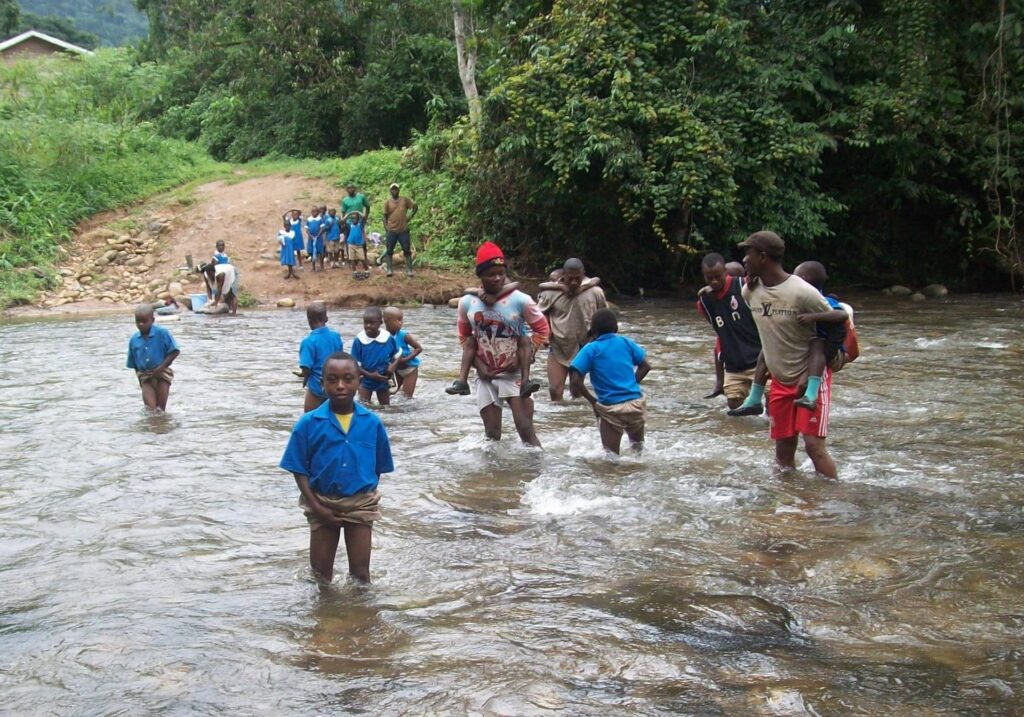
(785, 341)
(787, 419)
(313, 352)
(730, 317)
(405, 348)
(498, 327)
(339, 464)
(611, 361)
(374, 355)
(359, 509)
(145, 353)
(629, 416)
(569, 316)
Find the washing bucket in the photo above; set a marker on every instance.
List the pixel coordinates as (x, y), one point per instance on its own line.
(198, 301)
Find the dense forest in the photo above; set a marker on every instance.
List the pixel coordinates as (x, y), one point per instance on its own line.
(878, 136)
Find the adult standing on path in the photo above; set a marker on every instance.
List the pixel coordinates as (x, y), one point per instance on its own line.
(354, 201)
(397, 213)
(569, 304)
(777, 299)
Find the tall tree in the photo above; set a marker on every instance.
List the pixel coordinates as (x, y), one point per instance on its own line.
(8, 17)
(466, 49)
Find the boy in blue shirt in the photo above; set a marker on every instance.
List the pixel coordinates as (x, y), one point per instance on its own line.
(407, 368)
(315, 232)
(610, 360)
(357, 244)
(333, 224)
(337, 454)
(377, 353)
(151, 351)
(313, 351)
(219, 257)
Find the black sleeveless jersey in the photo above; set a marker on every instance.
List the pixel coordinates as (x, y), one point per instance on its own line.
(731, 319)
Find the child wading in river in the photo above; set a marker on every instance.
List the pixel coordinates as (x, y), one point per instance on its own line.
(407, 369)
(377, 353)
(337, 454)
(151, 351)
(616, 366)
(313, 351)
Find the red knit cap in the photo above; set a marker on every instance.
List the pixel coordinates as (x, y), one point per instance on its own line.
(489, 254)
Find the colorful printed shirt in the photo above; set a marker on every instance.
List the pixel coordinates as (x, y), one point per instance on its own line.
(496, 328)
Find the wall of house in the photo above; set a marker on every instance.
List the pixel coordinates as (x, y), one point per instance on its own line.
(32, 47)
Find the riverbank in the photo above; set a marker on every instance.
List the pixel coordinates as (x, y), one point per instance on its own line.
(139, 254)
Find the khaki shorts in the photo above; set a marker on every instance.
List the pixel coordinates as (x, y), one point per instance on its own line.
(495, 391)
(737, 385)
(356, 252)
(403, 372)
(562, 353)
(166, 375)
(361, 508)
(629, 416)
(838, 361)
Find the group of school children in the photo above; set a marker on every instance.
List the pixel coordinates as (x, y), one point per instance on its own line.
(338, 449)
(330, 241)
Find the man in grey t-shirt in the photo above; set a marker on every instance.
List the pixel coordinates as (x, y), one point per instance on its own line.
(776, 300)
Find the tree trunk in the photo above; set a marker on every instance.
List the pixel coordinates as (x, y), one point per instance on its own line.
(467, 61)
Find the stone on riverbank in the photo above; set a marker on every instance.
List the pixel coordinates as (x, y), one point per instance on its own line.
(918, 296)
(900, 290)
(286, 303)
(935, 291)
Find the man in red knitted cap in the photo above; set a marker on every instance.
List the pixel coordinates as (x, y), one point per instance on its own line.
(495, 330)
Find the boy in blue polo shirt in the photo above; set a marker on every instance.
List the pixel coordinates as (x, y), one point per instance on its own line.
(610, 360)
(320, 343)
(377, 353)
(151, 351)
(337, 454)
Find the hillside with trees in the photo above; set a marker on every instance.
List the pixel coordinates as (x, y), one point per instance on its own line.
(113, 22)
(880, 137)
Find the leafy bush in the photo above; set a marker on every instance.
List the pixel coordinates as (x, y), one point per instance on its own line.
(72, 145)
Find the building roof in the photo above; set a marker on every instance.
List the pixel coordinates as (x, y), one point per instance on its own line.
(56, 42)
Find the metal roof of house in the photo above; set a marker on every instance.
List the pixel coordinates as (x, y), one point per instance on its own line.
(56, 42)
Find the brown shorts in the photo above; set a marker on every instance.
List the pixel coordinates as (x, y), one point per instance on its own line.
(166, 375)
(629, 416)
(360, 509)
(737, 385)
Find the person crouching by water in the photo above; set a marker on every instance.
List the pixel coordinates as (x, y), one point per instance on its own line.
(337, 454)
(221, 284)
(320, 343)
(151, 351)
(616, 366)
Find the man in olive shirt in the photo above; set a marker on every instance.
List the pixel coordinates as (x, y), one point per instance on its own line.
(397, 213)
(777, 300)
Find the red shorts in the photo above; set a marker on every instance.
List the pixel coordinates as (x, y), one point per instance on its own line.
(787, 419)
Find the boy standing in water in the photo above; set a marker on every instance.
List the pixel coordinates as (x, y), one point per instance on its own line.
(616, 366)
(313, 351)
(151, 351)
(377, 353)
(337, 454)
(738, 344)
(407, 369)
(496, 330)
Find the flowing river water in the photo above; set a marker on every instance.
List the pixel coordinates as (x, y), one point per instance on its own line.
(158, 564)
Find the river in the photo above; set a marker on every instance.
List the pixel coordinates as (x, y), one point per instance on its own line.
(158, 564)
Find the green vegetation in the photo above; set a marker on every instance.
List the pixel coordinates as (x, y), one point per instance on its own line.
(112, 22)
(72, 145)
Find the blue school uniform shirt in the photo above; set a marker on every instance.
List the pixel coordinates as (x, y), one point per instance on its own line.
(145, 353)
(339, 463)
(374, 355)
(355, 234)
(611, 361)
(313, 351)
(333, 228)
(220, 257)
(405, 348)
(313, 226)
(297, 231)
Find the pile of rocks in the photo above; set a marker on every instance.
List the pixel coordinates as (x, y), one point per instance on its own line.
(117, 268)
(932, 291)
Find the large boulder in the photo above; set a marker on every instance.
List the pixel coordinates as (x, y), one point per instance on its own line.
(175, 288)
(900, 290)
(286, 302)
(918, 296)
(935, 291)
